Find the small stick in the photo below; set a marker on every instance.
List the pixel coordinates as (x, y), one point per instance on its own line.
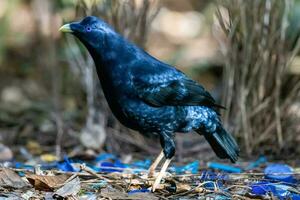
(84, 168)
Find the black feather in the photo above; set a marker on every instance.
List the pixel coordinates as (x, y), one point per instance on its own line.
(223, 144)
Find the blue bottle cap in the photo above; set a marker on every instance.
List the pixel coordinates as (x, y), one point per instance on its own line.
(279, 172)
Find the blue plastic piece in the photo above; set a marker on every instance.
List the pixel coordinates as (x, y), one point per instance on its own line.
(139, 191)
(19, 165)
(66, 165)
(295, 196)
(108, 167)
(261, 188)
(111, 167)
(257, 163)
(190, 167)
(279, 172)
(142, 164)
(212, 176)
(279, 190)
(224, 167)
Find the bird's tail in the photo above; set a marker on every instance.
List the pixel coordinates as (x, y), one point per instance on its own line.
(223, 144)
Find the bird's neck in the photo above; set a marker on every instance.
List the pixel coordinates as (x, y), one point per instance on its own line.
(112, 55)
(112, 58)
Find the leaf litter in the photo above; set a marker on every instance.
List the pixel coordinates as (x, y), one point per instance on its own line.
(107, 177)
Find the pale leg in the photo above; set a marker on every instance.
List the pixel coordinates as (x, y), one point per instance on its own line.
(155, 164)
(161, 174)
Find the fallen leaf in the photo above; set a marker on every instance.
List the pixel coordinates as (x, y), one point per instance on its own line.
(46, 183)
(71, 188)
(10, 179)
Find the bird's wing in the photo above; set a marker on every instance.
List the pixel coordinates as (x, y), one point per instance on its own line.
(168, 86)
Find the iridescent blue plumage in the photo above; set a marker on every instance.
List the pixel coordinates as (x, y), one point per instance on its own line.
(148, 95)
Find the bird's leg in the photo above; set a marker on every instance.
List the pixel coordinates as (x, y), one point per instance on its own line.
(155, 164)
(161, 174)
(168, 144)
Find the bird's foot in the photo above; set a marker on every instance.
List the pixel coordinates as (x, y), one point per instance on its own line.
(160, 175)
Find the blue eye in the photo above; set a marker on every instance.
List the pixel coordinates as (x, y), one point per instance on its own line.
(88, 29)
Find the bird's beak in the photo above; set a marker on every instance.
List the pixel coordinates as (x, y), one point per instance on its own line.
(66, 28)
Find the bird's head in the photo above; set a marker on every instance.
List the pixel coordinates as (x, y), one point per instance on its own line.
(90, 31)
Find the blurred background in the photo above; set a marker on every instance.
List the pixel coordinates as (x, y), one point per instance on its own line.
(243, 52)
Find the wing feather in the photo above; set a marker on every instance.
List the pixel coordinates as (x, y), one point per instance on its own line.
(170, 87)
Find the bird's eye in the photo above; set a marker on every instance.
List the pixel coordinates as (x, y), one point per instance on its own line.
(88, 29)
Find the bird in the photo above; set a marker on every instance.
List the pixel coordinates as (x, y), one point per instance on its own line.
(150, 96)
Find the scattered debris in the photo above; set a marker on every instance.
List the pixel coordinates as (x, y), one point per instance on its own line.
(70, 188)
(106, 176)
(10, 179)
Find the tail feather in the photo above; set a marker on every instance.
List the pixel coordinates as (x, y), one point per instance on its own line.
(223, 144)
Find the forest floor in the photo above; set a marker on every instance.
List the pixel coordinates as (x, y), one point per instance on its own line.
(105, 176)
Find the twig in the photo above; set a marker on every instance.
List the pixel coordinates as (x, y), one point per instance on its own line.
(84, 168)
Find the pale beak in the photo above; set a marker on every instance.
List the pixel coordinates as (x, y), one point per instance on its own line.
(66, 28)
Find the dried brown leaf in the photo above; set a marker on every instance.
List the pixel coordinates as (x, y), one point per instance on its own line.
(10, 179)
(46, 183)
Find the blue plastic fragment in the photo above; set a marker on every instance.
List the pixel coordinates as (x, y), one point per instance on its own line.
(261, 188)
(279, 190)
(257, 163)
(117, 166)
(142, 164)
(138, 191)
(295, 196)
(108, 167)
(190, 167)
(279, 172)
(224, 167)
(212, 176)
(19, 165)
(66, 165)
